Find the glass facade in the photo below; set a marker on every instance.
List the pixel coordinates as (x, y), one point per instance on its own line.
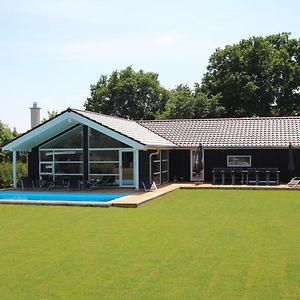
(99, 140)
(63, 155)
(103, 158)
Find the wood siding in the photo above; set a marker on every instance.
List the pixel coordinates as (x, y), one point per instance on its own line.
(261, 158)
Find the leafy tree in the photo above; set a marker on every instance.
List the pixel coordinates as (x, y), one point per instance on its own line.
(185, 103)
(6, 134)
(51, 114)
(256, 77)
(128, 94)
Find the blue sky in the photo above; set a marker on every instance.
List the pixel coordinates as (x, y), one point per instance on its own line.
(51, 51)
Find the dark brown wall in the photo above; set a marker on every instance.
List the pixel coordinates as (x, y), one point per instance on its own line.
(144, 167)
(179, 164)
(33, 163)
(261, 158)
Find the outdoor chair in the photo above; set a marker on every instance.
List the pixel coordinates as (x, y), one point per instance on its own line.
(273, 176)
(263, 175)
(27, 183)
(217, 175)
(252, 176)
(238, 176)
(295, 182)
(145, 186)
(227, 176)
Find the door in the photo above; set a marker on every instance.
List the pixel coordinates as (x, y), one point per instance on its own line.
(126, 169)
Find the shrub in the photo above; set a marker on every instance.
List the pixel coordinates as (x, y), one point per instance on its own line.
(6, 176)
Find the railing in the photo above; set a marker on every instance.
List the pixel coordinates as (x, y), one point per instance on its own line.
(255, 176)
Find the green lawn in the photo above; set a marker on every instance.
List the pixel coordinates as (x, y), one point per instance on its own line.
(205, 244)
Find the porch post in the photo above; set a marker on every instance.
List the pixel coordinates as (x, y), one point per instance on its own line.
(136, 169)
(15, 170)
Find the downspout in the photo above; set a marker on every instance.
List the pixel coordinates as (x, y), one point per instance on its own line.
(136, 169)
(150, 165)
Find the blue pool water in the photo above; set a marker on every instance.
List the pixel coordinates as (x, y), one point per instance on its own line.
(66, 197)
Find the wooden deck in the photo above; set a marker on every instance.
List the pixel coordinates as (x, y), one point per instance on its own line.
(137, 198)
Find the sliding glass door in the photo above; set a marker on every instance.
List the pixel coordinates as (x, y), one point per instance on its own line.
(126, 168)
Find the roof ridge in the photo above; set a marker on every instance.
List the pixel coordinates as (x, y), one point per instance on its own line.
(225, 118)
(101, 114)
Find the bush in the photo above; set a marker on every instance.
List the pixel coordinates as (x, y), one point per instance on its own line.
(6, 176)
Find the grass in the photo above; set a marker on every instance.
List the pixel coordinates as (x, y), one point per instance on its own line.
(208, 244)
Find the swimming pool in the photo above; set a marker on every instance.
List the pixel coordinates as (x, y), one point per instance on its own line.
(59, 198)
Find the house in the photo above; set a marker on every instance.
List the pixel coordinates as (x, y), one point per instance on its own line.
(90, 145)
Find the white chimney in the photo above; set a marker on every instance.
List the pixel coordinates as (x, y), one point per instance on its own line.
(35, 115)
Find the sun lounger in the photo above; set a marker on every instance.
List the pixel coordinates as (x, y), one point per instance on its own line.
(295, 182)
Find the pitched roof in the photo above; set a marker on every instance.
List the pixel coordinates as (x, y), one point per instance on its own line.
(229, 132)
(130, 132)
(129, 128)
(265, 132)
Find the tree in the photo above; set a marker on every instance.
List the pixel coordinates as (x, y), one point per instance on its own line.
(256, 77)
(51, 114)
(6, 134)
(185, 103)
(128, 94)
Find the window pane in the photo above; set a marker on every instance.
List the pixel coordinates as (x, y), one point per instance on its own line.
(47, 177)
(70, 139)
(239, 161)
(100, 140)
(111, 180)
(68, 156)
(104, 155)
(47, 168)
(105, 168)
(46, 155)
(68, 168)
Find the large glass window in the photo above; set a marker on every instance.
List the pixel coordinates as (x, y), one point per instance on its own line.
(61, 162)
(71, 139)
(104, 155)
(99, 140)
(104, 165)
(127, 168)
(63, 155)
(104, 168)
